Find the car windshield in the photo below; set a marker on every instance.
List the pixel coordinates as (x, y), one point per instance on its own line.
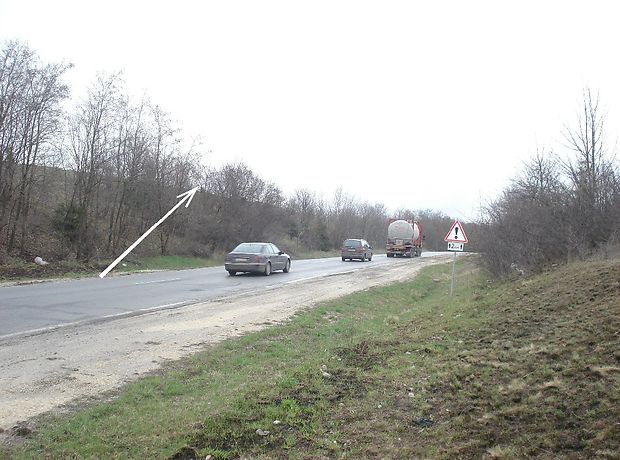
(253, 248)
(352, 243)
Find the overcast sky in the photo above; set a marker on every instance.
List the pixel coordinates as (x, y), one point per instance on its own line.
(411, 104)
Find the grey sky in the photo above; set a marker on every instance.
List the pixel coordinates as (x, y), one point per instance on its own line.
(412, 104)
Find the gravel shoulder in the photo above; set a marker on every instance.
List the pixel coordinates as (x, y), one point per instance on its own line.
(48, 372)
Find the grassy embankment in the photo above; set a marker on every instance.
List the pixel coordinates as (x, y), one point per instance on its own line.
(524, 368)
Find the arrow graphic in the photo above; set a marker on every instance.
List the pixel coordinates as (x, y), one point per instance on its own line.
(186, 196)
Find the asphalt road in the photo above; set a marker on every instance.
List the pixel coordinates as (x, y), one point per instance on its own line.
(33, 308)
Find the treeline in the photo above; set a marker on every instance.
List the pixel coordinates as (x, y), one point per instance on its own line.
(83, 179)
(559, 207)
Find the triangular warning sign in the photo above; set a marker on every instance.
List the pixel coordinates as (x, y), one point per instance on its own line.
(456, 234)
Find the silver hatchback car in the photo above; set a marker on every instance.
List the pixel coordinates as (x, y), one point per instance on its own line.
(257, 257)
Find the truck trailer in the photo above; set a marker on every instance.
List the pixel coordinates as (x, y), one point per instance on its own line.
(404, 238)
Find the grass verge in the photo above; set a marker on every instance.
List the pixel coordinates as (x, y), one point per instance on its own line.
(170, 263)
(525, 368)
(19, 270)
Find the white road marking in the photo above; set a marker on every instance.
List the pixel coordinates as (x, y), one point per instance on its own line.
(96, 319)
(158, 281)
(160, 307)
(305, 279)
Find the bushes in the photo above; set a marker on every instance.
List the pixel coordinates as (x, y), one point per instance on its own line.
(557, 209)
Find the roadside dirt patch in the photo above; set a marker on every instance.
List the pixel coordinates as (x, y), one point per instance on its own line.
(366, 354)
(45, 372)
(21, 270)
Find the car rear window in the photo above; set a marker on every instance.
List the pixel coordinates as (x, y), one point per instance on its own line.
(352, 244)
(249, 247)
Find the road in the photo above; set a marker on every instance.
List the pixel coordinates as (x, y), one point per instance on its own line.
(41, 372)
(34, 308)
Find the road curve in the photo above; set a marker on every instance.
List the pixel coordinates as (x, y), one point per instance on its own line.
(58, 369)
(35, 308)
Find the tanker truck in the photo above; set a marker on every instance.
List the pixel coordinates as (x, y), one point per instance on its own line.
(404, 238)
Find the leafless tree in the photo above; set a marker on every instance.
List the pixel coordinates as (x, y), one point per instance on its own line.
(557, 209)
(592, 175)
(125, 171)
(30, 98)
(242, 206)
(91, 134)
(302, 207)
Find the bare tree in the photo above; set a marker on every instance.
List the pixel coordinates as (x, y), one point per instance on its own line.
(592, 175)
(30, 97)
(125, 171)
(557, 209)
(242, 206)
(91, 133)
(302, 208)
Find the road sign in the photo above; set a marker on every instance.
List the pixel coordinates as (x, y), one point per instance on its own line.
(456, 234)
(456, 239)
(455, 246)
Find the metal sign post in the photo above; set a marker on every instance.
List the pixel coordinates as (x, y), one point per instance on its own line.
(456, 239)
(452, 282)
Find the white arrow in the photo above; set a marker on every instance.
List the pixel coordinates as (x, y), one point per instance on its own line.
(187, 196)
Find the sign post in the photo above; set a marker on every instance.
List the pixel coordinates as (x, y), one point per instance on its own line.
(452, 280)
(456, 239)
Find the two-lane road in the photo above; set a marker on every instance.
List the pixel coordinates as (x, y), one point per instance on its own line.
(36, 307)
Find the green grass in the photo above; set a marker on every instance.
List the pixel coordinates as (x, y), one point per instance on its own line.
(170, 263)
(525, 368)
(14, 269)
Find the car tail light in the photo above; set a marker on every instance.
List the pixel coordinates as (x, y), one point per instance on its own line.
(256, 258)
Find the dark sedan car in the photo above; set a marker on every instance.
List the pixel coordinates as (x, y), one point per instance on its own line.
(257, 257)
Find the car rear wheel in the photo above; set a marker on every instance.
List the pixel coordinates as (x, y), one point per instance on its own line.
(363, 258)
(287, 267)
(268, 269)
(232, 272)
(344, 260)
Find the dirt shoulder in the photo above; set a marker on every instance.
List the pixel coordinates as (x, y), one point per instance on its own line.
(48, 371)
